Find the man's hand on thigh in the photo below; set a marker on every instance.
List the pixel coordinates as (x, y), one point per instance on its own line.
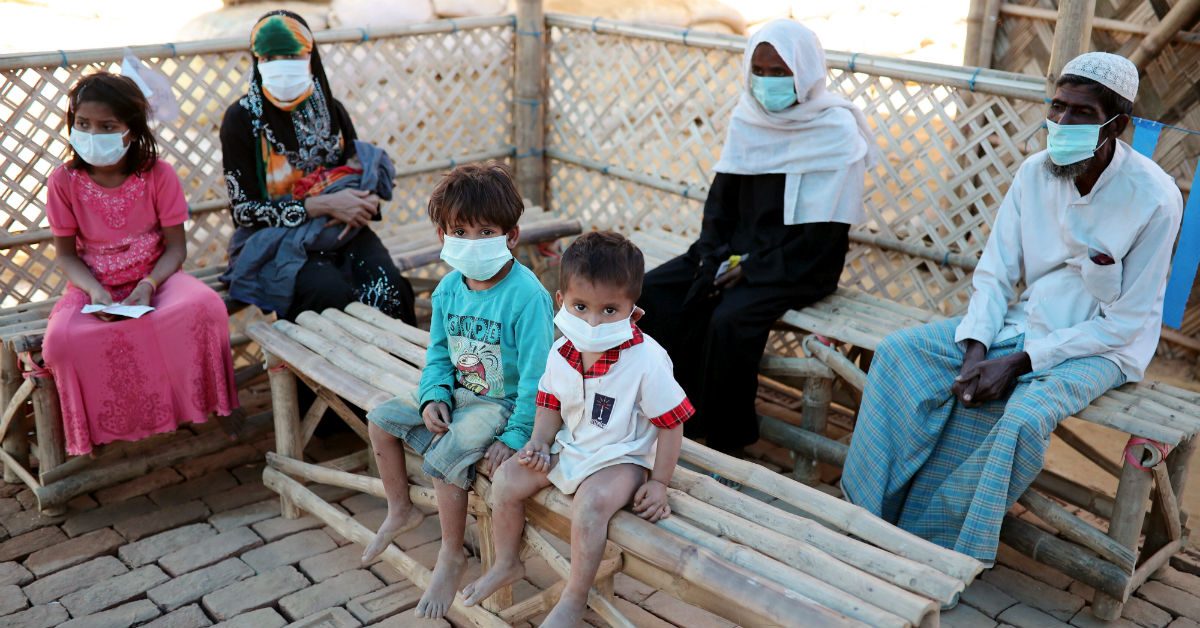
(989, 380)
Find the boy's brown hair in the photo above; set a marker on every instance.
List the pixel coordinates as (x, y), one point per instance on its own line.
(476, 193)
(604, 257)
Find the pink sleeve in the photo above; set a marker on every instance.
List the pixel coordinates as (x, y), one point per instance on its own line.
(170, 204)
(59, 207)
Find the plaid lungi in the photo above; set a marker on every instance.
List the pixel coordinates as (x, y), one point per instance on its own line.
(945, 472)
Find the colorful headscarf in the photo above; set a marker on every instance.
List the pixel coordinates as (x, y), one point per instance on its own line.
(280, 35)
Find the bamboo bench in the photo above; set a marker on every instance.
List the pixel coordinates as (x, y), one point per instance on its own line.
(58, 479)
(755, 564)
(22, 330)
(1109, 561)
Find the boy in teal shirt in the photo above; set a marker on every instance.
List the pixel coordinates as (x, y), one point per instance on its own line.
(488, 339)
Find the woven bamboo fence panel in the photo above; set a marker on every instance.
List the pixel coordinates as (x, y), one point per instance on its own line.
(431, 98)
(637, 124)
(1167, 92)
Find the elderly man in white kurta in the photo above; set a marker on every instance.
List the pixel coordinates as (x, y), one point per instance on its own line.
(957, 415)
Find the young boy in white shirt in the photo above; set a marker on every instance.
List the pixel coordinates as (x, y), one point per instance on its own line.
(607, 427)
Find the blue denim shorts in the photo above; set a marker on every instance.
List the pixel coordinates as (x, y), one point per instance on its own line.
(475, 422)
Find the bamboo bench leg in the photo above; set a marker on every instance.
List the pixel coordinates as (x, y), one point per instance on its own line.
(502, 598)
(818, 391)
(287, 420)
(1129, 513)
(48, 424)
(16, 442)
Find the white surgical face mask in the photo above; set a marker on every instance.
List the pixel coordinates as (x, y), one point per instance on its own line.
(99, 149)
(593, 338)
(1072, 143)
(477, 259)
(285, 79)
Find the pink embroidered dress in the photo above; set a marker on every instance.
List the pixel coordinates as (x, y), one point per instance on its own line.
(130, 378)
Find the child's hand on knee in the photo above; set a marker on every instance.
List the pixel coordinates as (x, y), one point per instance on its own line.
(535, 455)
(437, 417)
(650, 501)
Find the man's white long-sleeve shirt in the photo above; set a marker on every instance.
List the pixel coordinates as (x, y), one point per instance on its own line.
(1075, 305)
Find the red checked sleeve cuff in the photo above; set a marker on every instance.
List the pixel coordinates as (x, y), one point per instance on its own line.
(546, 400)
(675, 417)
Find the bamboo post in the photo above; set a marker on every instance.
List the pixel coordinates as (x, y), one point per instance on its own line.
(531, 103)
(818, 392)
(987, 34)
(503, 597)
(47, 417)
(287, 420)
(1167, 508)
(356, 532)
(1180, 17)
(16, 441)
(1133, 491)
(974, 26)
(1072, 36)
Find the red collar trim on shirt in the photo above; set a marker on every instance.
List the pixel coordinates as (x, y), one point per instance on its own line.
(575, 358)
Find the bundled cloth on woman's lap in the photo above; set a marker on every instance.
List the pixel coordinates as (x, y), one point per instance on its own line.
(263, 262)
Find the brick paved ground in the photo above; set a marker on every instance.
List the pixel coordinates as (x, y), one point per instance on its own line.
(203, 544)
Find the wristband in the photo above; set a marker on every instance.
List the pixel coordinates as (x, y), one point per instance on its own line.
(153, 284)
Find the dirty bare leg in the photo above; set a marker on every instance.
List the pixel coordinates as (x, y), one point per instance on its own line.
(402, 515)
(599, 497)
(512, 484)
(452, 512)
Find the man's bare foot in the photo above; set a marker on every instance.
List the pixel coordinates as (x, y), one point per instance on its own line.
(568, 613)
(446, 576)
(498, 577)
(395, 524)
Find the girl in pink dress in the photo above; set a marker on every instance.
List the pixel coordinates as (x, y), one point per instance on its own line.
(116, 212)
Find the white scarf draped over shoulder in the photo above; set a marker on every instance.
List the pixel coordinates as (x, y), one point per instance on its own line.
(824, 135)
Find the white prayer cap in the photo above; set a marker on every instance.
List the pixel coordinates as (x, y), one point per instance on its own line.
(1112, 71)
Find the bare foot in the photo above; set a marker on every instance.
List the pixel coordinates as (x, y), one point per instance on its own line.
(232, 423)
(498, 577)
(568, 613)
(395, 524)
(446, 576)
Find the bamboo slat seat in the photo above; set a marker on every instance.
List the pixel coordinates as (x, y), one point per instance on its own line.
(743, 559)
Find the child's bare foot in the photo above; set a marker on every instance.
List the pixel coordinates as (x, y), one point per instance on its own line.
(496, 578)
(395, 524)
(446, 576)
(232, 423)
(568, 613)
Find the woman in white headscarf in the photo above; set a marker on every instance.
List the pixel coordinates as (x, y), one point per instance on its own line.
(787, 188)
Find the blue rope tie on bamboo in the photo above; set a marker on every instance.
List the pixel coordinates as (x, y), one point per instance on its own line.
(531, 103)
(453, 163)
(946, 259)
(685, 34)
(174, 52)
(365, 36)
(594, 20)
(64, 59)
(537, 34)
(852, 58)
(453, 24)
(533, 152)
(971, 83)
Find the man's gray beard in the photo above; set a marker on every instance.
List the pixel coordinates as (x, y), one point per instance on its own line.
(1069, 171)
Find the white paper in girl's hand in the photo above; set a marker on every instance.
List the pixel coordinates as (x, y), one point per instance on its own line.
(128, 311)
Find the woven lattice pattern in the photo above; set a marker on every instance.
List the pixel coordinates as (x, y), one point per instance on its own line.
(425, 98)
(661, 109)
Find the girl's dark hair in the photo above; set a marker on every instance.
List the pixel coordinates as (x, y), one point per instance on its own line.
(475, 193)
(129, 105)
